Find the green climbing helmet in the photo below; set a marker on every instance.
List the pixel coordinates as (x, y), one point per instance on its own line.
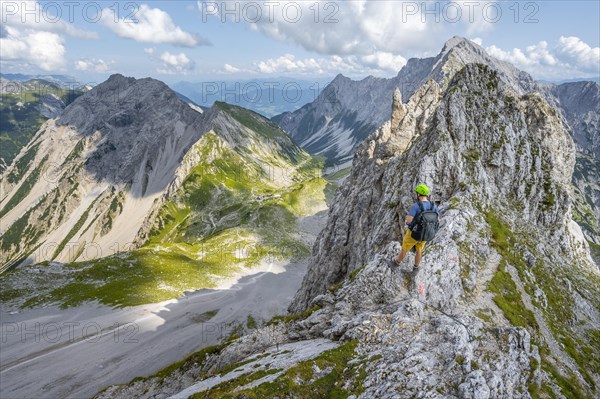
(422, 189)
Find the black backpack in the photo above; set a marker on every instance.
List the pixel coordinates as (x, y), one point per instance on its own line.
(425, 224)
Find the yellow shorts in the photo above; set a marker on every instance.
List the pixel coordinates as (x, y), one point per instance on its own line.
(408, 242)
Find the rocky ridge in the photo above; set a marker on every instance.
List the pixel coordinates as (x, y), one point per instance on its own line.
(500, 163)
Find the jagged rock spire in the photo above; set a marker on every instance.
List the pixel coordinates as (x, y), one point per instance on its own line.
(398, 110)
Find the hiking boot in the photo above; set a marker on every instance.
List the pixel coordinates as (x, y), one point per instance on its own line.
(415, 270)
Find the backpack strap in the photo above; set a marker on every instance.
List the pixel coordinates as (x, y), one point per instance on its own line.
(422, 208)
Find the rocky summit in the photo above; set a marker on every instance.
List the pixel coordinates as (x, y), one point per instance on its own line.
(504, 305)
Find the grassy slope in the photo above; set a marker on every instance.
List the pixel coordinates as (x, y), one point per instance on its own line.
(579, 342)
(301, 381)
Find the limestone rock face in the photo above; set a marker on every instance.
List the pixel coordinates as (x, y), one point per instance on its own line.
(501, 165)
(510, 147)
(579, 103)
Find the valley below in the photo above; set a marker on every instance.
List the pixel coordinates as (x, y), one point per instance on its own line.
(51, 352)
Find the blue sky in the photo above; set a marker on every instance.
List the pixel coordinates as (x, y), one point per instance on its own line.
(196, 41)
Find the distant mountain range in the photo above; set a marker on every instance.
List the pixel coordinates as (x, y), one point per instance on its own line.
(266, 96)
(347, 110)
(25, 103)
(561, 81)
(63, 80)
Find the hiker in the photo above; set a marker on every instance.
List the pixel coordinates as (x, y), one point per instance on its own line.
(422, 222)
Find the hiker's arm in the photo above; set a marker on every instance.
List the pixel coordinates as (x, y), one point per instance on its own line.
(412, 212)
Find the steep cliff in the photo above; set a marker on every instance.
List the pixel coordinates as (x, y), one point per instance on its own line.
(579, 103)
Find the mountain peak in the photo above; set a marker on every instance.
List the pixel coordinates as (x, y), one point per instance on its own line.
(465, 49)
(339, 77)
(347, 110)
(456, 41)
(120, 83)
(118, 95)
(117, 79)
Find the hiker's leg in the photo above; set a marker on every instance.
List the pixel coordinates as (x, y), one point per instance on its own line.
(407, 244)
(418, 257)
(401, 257)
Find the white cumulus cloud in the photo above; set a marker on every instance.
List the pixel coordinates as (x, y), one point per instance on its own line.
(32, 34)
(382, 61)
(96, 65)
(358, 27)
(378, 64)
(477, 40)
(576, 52)
(569, 57)
(150, 25)
(45, 17)
(369, 36)
(175, 64)
(44, 50)
(227, 68)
